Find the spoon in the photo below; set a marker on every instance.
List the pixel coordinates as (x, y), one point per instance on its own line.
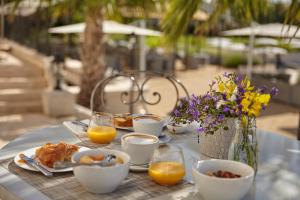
(108, 160)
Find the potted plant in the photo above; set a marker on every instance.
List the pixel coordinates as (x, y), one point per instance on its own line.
(57, 102)
(226, 116)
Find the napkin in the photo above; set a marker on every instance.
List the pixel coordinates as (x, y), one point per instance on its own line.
(74, 127)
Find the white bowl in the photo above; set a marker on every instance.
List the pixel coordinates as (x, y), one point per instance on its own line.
(177, 128)
(98, 179)
(214, 188)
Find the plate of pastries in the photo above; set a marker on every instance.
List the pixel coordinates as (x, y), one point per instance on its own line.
(48, 154)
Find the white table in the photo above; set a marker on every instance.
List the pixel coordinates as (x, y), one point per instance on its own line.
(278, 175)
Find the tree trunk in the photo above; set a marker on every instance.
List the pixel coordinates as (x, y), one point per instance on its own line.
(92, 55)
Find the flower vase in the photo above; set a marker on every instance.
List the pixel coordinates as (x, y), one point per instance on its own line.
(217, 145)
(244, 146)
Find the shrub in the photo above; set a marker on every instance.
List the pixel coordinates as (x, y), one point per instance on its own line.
(236, 59)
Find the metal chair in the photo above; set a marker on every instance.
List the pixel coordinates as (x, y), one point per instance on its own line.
(137, 90)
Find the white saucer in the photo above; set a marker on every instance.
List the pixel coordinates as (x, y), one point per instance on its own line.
(164, 139)
(138, 168)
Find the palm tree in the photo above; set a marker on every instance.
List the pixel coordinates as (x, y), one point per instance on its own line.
(180, 13)
(92, 49)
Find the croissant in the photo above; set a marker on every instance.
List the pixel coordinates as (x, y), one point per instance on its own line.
(49, 153)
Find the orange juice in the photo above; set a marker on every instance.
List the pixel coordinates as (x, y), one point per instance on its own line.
(101, 134)
(166, 173)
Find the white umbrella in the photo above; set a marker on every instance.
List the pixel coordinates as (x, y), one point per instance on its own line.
(270, 50)
(226, 43)
(266, 41)
(295, 43)
(266, 30)
(112, 27)
(109, 27)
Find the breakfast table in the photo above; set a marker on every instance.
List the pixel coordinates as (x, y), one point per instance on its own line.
(278, 175)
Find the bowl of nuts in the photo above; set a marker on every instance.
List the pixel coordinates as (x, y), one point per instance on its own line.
(222, 179)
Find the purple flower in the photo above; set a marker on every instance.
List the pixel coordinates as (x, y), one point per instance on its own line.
(205, 107)
(226, 109)
(226, 74)
(215, 99)
(176, 113)
(196, 114)
(238, 79)
(221, 117)
(191, 105)
(241, 90)
(274, 91)
(262, 89)
(200, 129)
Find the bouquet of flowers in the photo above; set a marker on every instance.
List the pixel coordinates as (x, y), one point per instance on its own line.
(229, 96)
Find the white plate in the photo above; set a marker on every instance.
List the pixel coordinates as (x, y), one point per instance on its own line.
(31, 153)
(130, 128)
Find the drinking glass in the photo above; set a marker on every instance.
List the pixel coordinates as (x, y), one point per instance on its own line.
(167, 166)
(101, 128)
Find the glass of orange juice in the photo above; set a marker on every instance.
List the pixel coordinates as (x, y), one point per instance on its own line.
(167, 166)
(101, 128)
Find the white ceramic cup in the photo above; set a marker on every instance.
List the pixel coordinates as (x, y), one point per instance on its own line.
(139, 146)
(149, 124)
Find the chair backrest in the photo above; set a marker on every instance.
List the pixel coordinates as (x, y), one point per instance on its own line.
(136, 90)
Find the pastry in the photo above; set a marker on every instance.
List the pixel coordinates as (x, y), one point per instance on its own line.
(49, 153)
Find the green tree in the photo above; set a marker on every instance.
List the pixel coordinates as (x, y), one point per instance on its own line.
(180, 13)
(92, 49)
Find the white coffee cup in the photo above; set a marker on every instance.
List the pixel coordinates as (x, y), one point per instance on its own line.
(149, 124)
(139, 146)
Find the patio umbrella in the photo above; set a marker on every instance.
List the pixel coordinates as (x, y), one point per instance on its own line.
(109, 27)
(266, 41)
(112, 27)
(269, 50)
(264, 30)
(294, 43)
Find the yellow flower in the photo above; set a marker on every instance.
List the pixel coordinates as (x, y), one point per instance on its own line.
(221, 87)
(247, 85)
(264, 98)
(228, 88)
(252, 103)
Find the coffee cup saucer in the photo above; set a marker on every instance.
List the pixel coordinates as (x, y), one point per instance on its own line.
(164, 139)
(138, 168)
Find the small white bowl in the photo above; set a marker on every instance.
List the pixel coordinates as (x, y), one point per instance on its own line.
(214, 188)
(177, 128)
(98, 179)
